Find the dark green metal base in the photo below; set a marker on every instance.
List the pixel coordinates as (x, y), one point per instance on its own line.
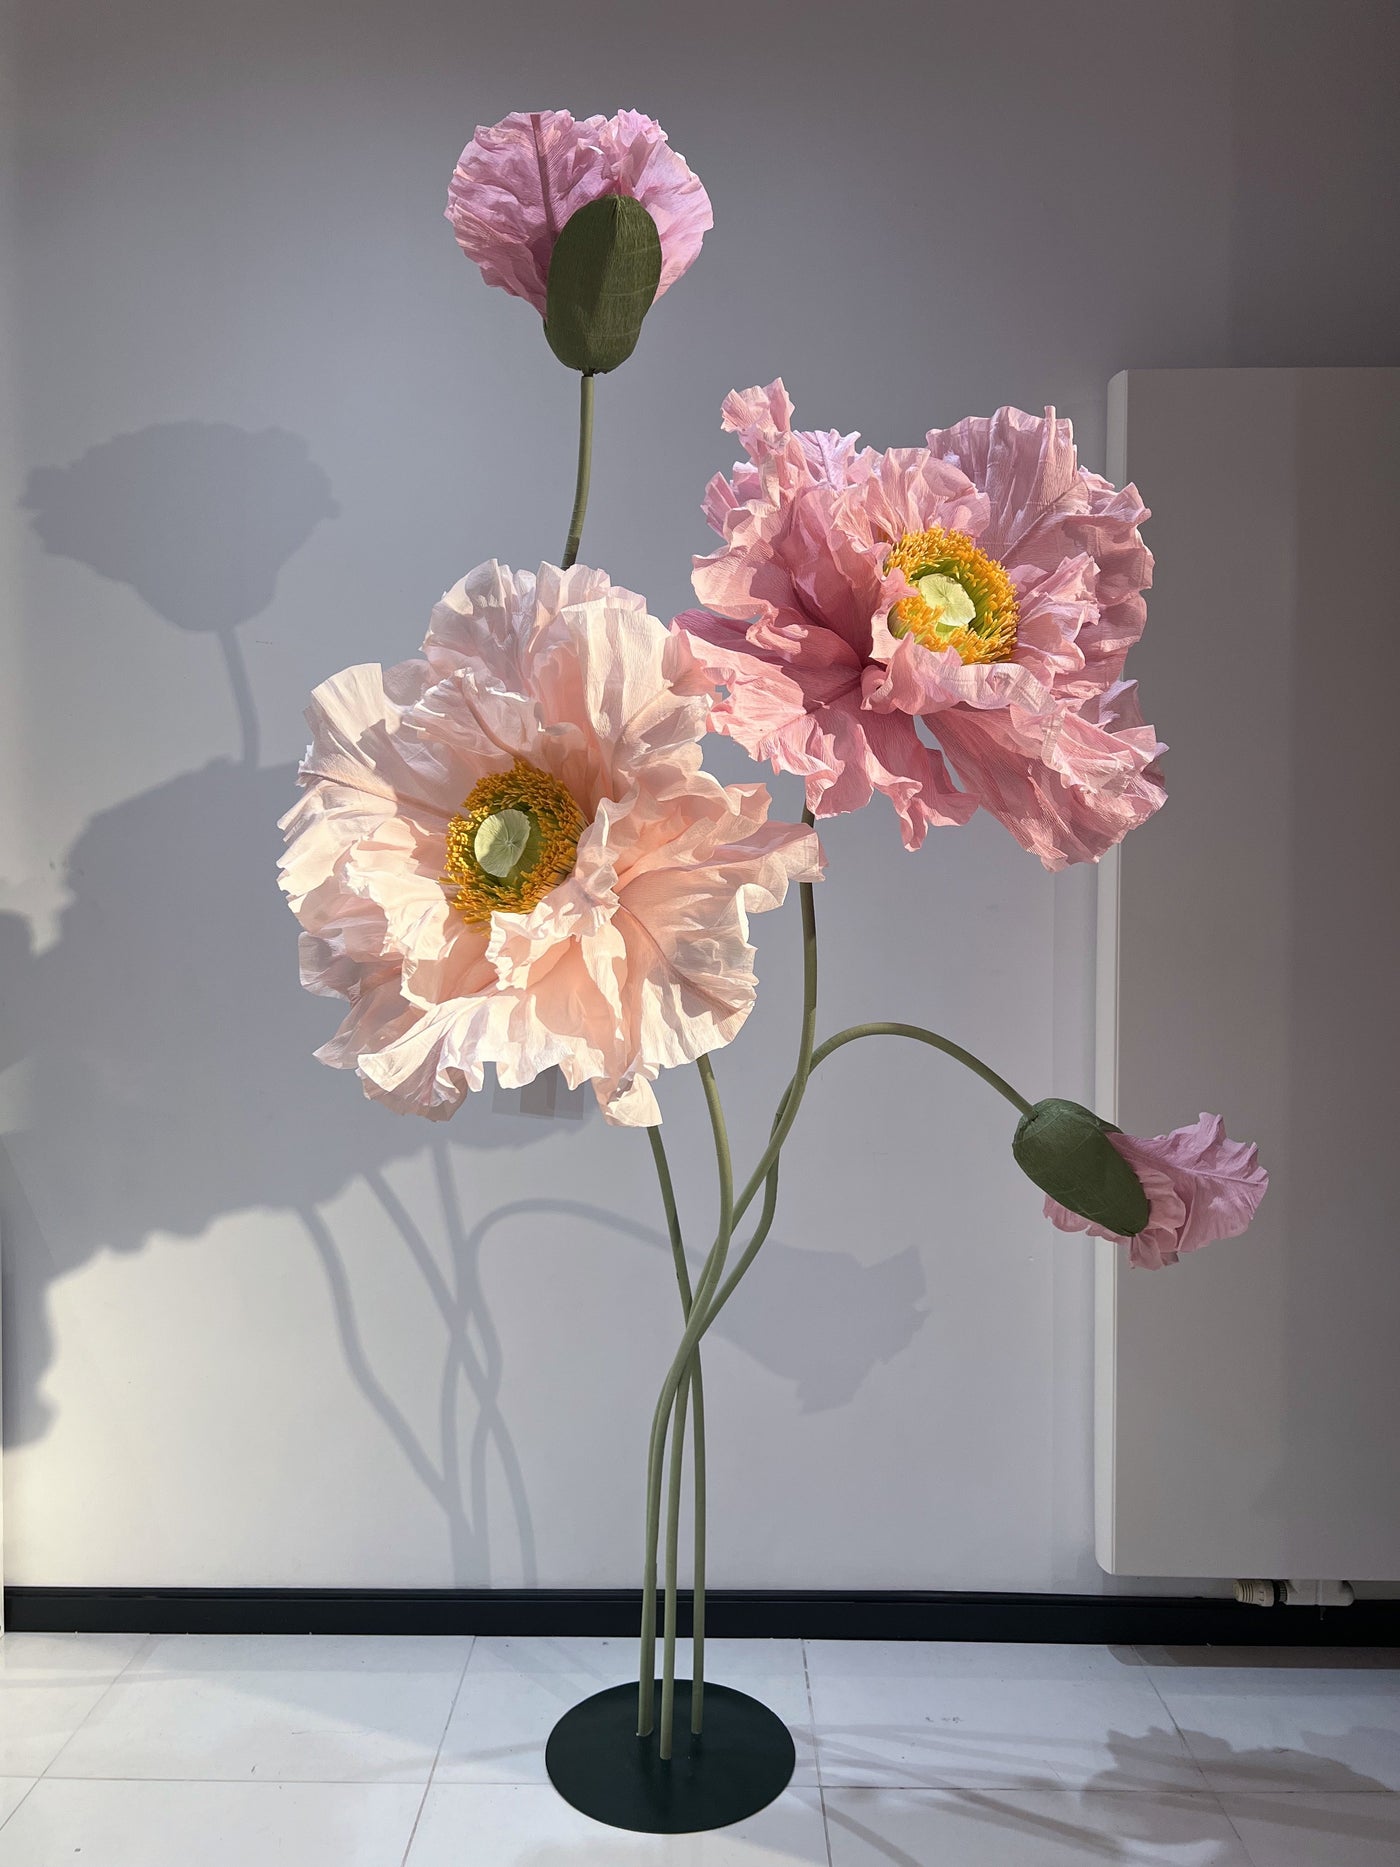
(743, 1759)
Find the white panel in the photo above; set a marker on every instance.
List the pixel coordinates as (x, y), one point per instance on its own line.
(1247, 1401)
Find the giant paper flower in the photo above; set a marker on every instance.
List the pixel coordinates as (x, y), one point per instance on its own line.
(981, 592)
(1200, 1186)
(508, 852)
(517, 184)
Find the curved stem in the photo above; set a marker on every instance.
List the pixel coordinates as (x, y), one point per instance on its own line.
(709, 1278)
(932, 1038)
(673, 1217)
(792, 1096)
(819, 1055)
(697, 1431)
(585, 469)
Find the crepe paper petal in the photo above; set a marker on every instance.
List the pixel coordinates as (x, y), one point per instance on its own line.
(518, 184)
(1200, 1185)
(979, 594)
(509, 853)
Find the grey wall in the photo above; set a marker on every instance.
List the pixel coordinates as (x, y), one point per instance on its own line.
(262, 413)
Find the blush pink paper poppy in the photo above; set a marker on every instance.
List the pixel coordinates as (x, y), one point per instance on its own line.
(796, 628)
(637, 960)
(518, 182)
(787, 624)
(1200, 1186)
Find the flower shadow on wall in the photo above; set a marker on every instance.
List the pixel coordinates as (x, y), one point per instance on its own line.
(167, 1039)
(197, 517)
(168, 1043)
(841, 1318)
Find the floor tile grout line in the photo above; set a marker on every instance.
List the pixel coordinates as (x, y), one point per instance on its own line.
(1171, 1719)
(1246, 1852)
(437, 1754)
(812, 1725)
(263, 1782)
(826, 1825)
(143, 1645)
(1038, 1786)
(33, 1785)
(1079, 1791)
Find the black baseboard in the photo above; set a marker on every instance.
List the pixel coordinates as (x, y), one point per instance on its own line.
(1111, 1620)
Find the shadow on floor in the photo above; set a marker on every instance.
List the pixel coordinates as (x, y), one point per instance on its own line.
(1143, 1812)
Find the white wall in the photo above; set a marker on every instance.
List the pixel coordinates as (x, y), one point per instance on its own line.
(258, 1332)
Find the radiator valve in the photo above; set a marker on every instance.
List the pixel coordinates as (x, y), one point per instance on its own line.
(1261, 1594)
(1257, 1594)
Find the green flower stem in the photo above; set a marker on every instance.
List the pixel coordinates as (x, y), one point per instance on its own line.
(673, 1528)
(782, 1121)
(819, 1055)
(710, 1295)
(679, 1369)
(709, 1279)
(585, 468)
(697, 1431)
(921, 1036)
(697, 1631)
(679, 1402)
(796, 1089)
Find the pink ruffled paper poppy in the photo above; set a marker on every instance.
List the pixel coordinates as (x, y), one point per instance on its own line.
(1200, 1187)
(517, 184)
(508, 853)
(984, 586)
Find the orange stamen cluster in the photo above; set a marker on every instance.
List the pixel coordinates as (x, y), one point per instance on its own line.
(556, 824)
(991, 634)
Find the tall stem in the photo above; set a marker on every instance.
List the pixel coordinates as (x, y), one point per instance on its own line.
(585, 469)
(796, 1089)
(707, 1304)
(709, 1281)
(697, 1431)
(697, 1616)
(709, 1296)
(673, 1527)
(704, 1290)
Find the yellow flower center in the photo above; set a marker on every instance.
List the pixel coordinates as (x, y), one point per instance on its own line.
(514, 839)
(963, 598)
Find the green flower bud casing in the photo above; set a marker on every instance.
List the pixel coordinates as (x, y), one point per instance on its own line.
(603, 276)
(1064, 1148)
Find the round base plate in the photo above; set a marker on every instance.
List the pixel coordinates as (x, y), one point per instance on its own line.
(743, 1759)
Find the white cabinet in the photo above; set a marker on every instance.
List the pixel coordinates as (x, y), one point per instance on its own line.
(1248, 1402)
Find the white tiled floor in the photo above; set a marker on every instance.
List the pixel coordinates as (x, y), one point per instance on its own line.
(514, 1690)
(119, 1751)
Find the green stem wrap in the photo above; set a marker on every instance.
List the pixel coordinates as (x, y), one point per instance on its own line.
(698, 1320)
(819, 1055)
(585, 470)
(710, 1295)
(697, 1435)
